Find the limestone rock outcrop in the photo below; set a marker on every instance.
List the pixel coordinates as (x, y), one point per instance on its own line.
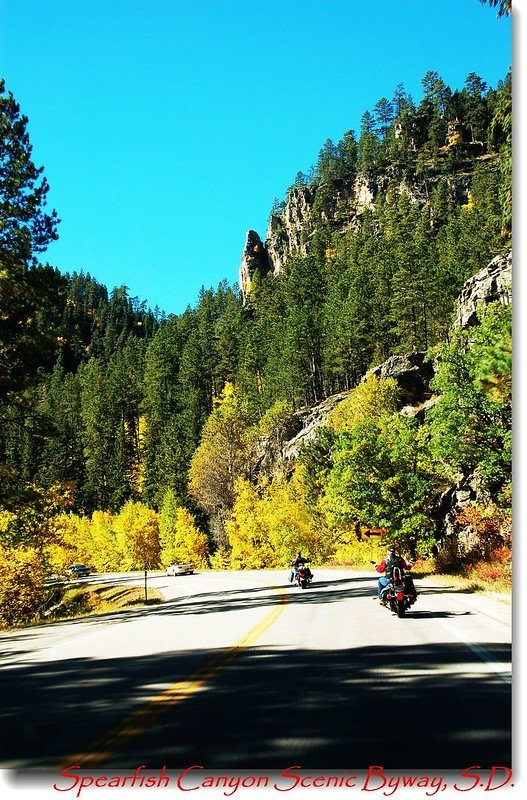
(273, 457)
(309, 421)
(493, 283)
(255, 258)
(412, 374)
(467, 490)
(288, 232)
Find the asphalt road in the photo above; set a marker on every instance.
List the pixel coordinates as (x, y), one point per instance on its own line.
(240, 670)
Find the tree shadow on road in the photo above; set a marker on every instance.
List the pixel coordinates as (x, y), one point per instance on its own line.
(421, 707)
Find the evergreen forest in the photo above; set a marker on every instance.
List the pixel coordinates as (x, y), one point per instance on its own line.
(130, 439)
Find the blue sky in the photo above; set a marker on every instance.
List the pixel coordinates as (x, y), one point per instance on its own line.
(166, 128)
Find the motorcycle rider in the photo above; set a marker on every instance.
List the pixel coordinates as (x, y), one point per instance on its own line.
(299, 561)
(391, 560)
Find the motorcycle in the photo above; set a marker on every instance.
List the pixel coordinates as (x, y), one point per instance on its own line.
(303, 576)
(400, 593)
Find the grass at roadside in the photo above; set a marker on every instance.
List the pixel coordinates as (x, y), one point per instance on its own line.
(489, 577)
(463, 583)
(80, 601)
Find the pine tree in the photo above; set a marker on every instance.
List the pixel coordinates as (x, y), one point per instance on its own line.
(25, 228)
(384, 116)
(368, 144)
(29, 293)
(302, 346)
(61, 461)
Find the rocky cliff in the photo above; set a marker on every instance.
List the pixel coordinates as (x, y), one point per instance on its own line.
(487, 286)
(412, 374)
(492, 284)
(338, 205)
(255, 259)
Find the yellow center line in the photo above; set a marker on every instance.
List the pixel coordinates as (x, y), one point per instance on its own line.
(139, 719)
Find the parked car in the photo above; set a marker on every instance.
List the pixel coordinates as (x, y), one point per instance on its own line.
(53, 578)
(180, 569)
(78, 571)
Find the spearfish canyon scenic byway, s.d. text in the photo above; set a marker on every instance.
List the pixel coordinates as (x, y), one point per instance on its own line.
(374, 780)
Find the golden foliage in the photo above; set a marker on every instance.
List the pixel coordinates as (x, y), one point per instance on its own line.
(6, 518)
(470, 204)
(227, 394)
(105, 554)
(248, 532)
(223, 453)
(371, 399)
(137, 529)
(184, 542)
(81, 539)
(22, 589)
(137, 467)
(349, 551)
(221, 559)
(270, 523)
(70, 542)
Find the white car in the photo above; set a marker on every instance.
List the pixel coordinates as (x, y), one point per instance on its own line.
(180, 569)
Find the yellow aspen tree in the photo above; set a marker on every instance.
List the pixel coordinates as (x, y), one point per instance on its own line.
(22, 590)
(105, 555)
(248, 532)
(290, 523)
(371, 399)
(137, 529)
(189, 543)
(69, 542)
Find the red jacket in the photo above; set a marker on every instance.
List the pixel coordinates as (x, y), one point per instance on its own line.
(382, 566)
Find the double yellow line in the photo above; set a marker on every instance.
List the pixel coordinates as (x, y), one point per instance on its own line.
(139, 719)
